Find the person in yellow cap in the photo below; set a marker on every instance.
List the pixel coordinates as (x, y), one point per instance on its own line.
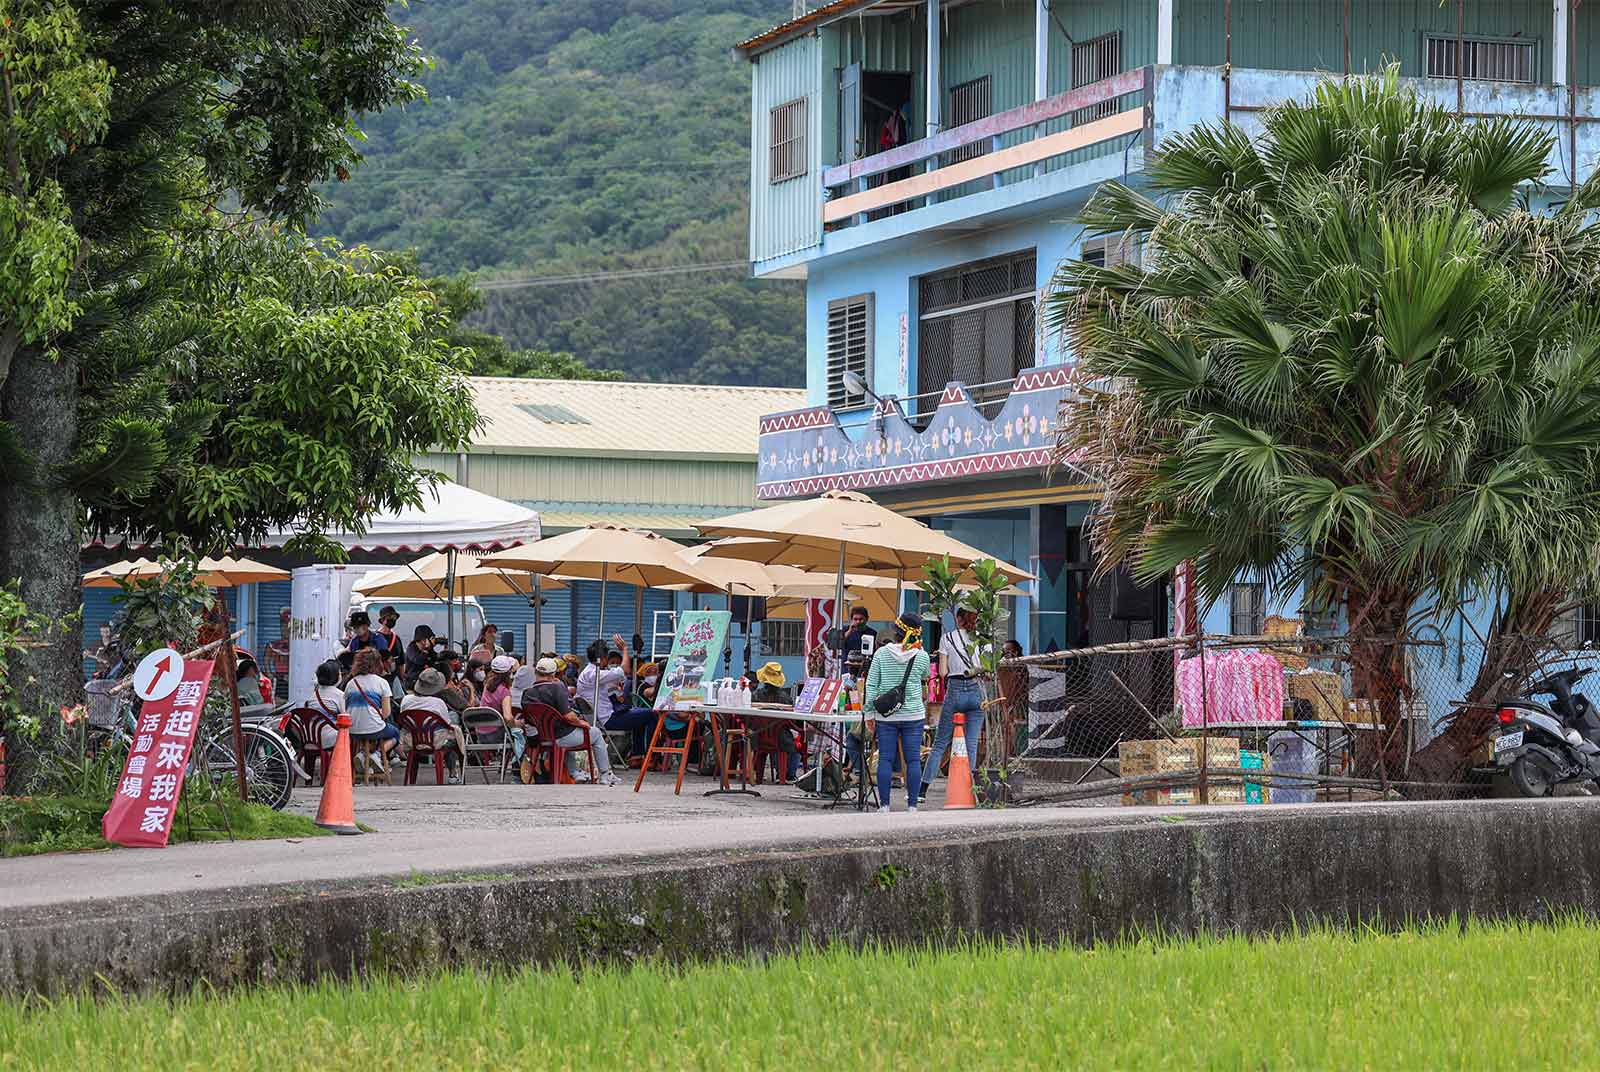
(770, 690)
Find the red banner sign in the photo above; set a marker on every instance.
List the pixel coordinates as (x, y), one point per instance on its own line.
(819, 619)
(147, 796)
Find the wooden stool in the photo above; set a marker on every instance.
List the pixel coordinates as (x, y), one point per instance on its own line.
(363, 772)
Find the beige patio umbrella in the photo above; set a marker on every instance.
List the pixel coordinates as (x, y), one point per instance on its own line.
(431, 577)
(108, 576)
(841, 530)
(225, 572)
(607, 553)
(428, 578)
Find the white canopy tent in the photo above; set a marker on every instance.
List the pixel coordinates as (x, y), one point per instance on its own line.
(451, 518)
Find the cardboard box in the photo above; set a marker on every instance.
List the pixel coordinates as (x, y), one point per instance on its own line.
(1324, 691)
(1157, 757)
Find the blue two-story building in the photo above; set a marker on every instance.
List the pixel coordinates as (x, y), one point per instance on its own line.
(919, 163)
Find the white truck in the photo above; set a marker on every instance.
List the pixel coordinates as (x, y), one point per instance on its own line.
(322, 599)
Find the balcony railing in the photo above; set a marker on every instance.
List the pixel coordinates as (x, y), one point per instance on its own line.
(851, 198)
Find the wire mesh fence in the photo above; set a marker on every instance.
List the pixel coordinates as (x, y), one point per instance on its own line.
(1283, 718)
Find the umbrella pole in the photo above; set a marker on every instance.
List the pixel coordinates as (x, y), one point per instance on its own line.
(838, 609)
(450, 594)
(899, 592)
(605, 568)
(535, 649)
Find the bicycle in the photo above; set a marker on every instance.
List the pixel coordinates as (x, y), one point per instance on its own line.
(269, 760)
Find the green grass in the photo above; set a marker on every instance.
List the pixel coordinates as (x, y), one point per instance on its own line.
(31, 825)
(1483, 996)
(419, 878)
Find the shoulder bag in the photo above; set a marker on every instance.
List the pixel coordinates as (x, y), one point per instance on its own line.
(888, 702)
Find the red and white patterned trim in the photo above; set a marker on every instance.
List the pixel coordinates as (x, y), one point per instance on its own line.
(797, 420)
(1050, 377)
(913, 473)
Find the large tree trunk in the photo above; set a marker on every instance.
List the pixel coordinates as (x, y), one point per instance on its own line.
(1511, 655)
(39, 532)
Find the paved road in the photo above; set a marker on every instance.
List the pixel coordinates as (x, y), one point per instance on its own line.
(481, 828)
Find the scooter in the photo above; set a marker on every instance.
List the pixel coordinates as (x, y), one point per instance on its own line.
(1541, 746)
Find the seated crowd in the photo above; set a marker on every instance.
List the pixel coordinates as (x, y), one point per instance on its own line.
(377, 681)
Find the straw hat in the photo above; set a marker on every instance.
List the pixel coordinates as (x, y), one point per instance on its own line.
(771, 674)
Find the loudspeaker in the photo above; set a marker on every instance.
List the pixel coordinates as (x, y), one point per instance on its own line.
(753, 606)
(1131, 602)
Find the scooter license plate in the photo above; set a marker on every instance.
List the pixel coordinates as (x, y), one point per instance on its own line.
(1507, 742)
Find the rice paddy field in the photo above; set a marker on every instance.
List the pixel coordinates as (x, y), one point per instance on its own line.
(1483, 995)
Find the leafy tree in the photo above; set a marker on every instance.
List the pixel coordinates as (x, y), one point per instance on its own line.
(217, 112)
(53, 98)
(1352, 358)
(298, 384)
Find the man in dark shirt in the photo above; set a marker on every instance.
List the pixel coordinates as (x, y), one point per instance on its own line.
(548, 689)
(860, 638)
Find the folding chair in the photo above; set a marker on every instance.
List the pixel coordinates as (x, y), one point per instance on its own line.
(486, 732)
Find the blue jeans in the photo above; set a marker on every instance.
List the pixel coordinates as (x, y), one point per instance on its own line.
(965, 696)
(890, 736)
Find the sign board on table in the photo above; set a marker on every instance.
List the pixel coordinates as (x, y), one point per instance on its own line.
(158, 674)
(701, 635)
(146, 800)
(818, 695)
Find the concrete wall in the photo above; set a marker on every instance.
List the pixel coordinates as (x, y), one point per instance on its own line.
(1248, 871)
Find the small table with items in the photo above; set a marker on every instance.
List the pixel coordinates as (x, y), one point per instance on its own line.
(721, 720)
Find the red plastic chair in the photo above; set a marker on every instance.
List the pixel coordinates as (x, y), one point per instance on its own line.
(550, 726)
(422, 725)
(767, 747)
(305, 724)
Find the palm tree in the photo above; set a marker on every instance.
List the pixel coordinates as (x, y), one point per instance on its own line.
(1353, 357)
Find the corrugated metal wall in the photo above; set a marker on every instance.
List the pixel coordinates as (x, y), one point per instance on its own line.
(879, 44)
(514, 612)
(99, 608)
(1308, 35)
(787, 216)
(657, 482)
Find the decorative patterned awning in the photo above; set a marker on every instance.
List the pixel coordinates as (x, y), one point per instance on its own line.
(806, 452)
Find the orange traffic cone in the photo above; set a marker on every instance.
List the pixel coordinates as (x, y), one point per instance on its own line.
(337, 812)
(958, 784)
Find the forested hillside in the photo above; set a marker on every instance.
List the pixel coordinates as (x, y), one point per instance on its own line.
(570, 137)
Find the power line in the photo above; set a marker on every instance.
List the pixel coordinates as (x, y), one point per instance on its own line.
(603, 277)
(412, 173)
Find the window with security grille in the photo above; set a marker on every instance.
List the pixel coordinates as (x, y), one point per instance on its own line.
(782, 638)
(976, 326)
(1482, 60)
(1247, 606)
(849, 348)
(1110, 251)
(1577, 626)
(969, 102)
(787, 152)
(1092, 61)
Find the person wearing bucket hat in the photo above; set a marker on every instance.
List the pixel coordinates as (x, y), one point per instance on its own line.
(897, 684)
(427, 695)
(770, 690)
